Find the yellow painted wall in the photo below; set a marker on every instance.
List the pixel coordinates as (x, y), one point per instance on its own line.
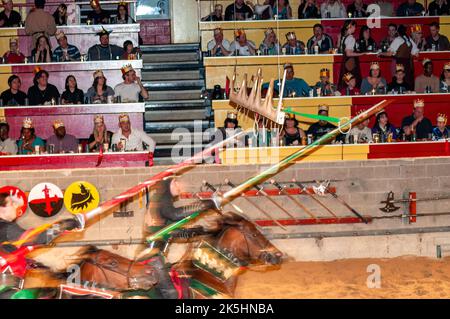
(305, 66)
(267, 155)
(339, 107)
(184, 25)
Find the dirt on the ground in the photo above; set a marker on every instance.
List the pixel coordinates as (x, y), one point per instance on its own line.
(402, 277)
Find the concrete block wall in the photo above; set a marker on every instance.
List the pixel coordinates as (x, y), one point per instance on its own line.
(363, 184)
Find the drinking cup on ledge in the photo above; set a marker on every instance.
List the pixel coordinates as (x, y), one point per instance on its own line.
(80, 148)
(105, 147)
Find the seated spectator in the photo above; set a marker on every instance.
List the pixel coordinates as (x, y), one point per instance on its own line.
(230, 128)
(441, 130)
(410, 8)
(216, 15)
(392, 34)
(320, 39)
(438, 8)
(131, 87)
(384, 128)
(130, 52)
(320, 128)
(445, 79)
(238, 10)
(42, 92)
(13, 96)
(324, 87)
(374, 83)
(131, 139)
(28, 141)
(122, 16)
(219, 46)
(365, 42)
(270, 45)
(293, 87)
(7, 145)
(283, 10)
(399, 84)
(416, 126)
(100, 135)
(386, 8)
(241, 46)
(427, 81)
(104, 50)
(361, 133)
(291, 133)
(417, 36)
(357, 9)
(39, 22)
(65, 51)
(60, 15)
(8, 17)
(308, 9)
(99, 91)
(350, 85)
(42, 52)
(333, 9)
(63, 142)
(98, 15)
(437, 41)
(263, 11)
(13, 55)
(72, 94)
(293, 46)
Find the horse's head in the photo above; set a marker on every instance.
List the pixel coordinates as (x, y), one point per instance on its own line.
(242, 238)
(111, 270)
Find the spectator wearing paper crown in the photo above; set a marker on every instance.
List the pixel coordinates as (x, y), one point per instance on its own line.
(350, 85)
(28, 139)
(9, 17)
(399, 84)
(42, 92)
(219, 46)
(324, 86)
(293, 46)
(374, 82)
(134, 138)
(241, 45)
(270, 45)
(441, 130)
(13, 55)
(98, 15)
(7, 145)
(427, 79)
(13, 96)
(417, 36)
(131, 87)
(321, 127)
(104, 50)
(65, 51)
(63, 142)
(100, 135)
(99, 91)
(417, 125)
(39, 22)
(444, 86)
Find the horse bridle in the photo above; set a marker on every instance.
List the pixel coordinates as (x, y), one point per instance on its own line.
(102, 267)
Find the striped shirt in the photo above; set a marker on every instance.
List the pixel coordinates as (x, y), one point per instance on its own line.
(72, 52)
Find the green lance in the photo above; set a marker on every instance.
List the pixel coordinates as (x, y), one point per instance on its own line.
(273, 170)
(313, 116)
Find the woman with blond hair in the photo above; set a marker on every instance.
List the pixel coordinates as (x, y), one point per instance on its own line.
(100, 135)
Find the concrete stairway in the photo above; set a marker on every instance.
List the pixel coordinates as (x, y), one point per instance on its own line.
(176, 113)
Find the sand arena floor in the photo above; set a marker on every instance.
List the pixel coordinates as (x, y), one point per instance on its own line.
(402, 277)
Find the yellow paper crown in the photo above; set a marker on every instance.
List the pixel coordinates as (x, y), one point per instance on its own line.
(399, 67)
(231, 115)
(127, 68)
(323, 107)
(374, 66)
(325, 72)
(347, 77)
(2, 120)
(57, 124)
(238, 33)
(289, 116)
(37, 69)
(419, 103)
(442, 118)
(124, 118)
(268, 31)
(122, 3)
(416, 28)
(27, 123)
(99, 119)
(98, 73)
(94, 3)
(447, 66)
(59, 34)
(291, 36)
(217, 31)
